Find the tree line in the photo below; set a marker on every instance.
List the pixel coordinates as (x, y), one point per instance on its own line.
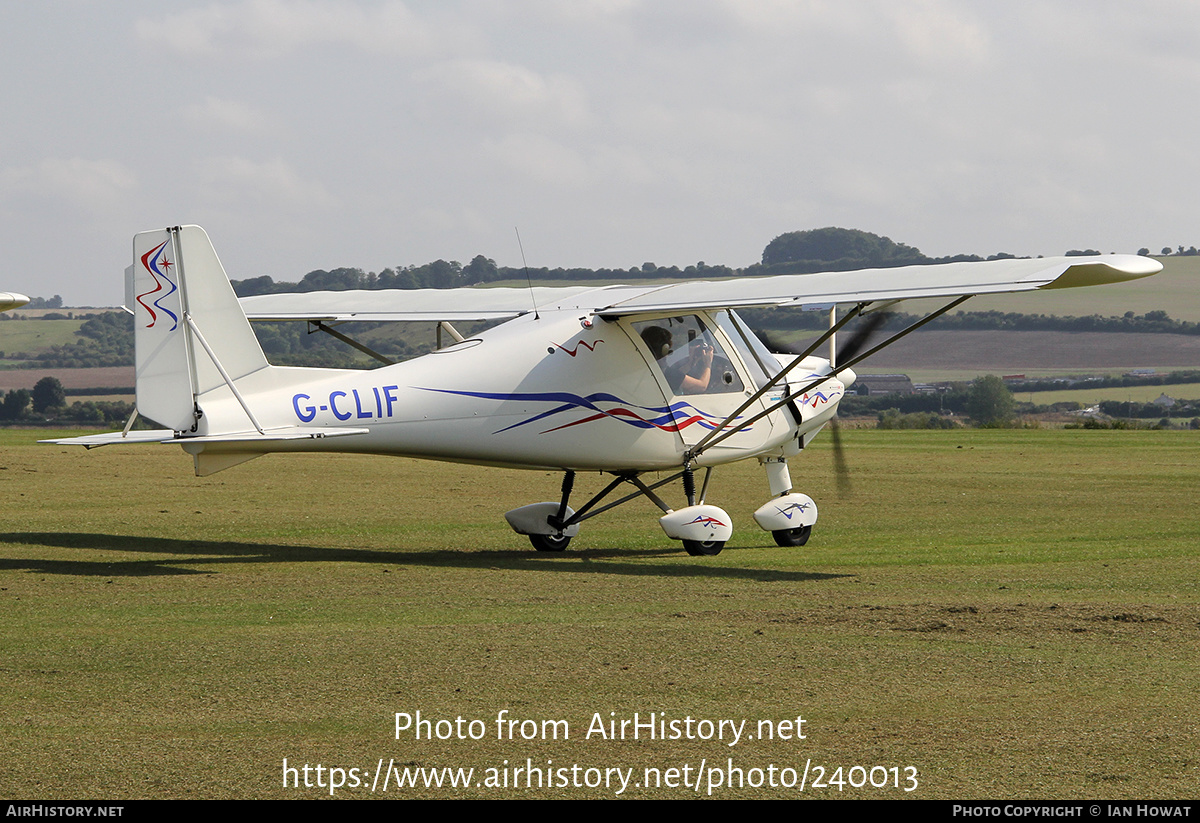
(799, 252)
(107, 339)
(46, 403)
(442, 274)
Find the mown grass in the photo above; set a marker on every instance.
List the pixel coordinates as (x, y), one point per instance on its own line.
(1014, 613)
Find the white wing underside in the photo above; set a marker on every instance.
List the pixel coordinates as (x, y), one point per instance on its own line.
(797, 290)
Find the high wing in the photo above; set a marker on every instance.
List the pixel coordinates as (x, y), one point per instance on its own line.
(822, 289)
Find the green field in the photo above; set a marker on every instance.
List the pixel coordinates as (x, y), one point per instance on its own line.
(967, 375)
(1123, 394)
(1014, 614)
(33, 336)
(1087, 397)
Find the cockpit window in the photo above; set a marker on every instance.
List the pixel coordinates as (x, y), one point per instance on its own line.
(758, 358)
(690, 355)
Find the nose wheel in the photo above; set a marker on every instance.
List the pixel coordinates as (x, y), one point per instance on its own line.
(789, 516)
(551, 542)
(703, 548)
(791, 538)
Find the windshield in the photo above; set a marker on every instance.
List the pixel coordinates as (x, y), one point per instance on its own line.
(762, 363)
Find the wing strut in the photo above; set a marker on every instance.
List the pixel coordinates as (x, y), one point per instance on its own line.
(713, 438)
(319, 325)
(351, 342)
(450, 330)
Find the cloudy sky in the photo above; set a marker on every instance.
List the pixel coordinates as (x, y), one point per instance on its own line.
(375, 133)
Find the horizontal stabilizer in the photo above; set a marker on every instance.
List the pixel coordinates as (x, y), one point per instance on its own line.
(283, 433)
(115, 438)
(168, 436)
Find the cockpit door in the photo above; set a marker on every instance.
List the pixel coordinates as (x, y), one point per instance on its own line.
(702, 372)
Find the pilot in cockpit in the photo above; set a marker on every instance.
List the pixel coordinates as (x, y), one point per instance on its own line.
(686, 376)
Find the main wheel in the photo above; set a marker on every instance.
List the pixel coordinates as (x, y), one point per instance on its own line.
(703, 548)
(549, 542)
(789, 538)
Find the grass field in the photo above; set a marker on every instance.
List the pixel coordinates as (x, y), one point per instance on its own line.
(1014, 614)
(1133, 394)
(36, 335)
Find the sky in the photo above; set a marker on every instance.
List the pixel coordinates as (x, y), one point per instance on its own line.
(378, 133)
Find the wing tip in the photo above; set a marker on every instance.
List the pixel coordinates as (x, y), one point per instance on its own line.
(1097, 271)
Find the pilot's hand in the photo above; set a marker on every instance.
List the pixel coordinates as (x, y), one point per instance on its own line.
(701, 355)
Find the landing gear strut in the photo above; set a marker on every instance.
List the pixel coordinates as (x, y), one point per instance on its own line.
(788, 516)
(703, 529)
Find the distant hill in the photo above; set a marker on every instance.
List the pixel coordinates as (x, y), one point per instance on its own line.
(835, 249)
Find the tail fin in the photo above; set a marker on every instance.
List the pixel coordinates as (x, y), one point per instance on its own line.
(199, 365)
(175, 279)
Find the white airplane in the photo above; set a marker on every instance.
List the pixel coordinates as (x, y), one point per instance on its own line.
(625, 380)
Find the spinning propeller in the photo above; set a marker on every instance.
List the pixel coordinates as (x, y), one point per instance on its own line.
(847, 351)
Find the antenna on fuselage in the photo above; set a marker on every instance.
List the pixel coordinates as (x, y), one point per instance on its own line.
(528, 280)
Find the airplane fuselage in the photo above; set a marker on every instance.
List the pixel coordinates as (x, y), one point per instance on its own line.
(549, 391)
